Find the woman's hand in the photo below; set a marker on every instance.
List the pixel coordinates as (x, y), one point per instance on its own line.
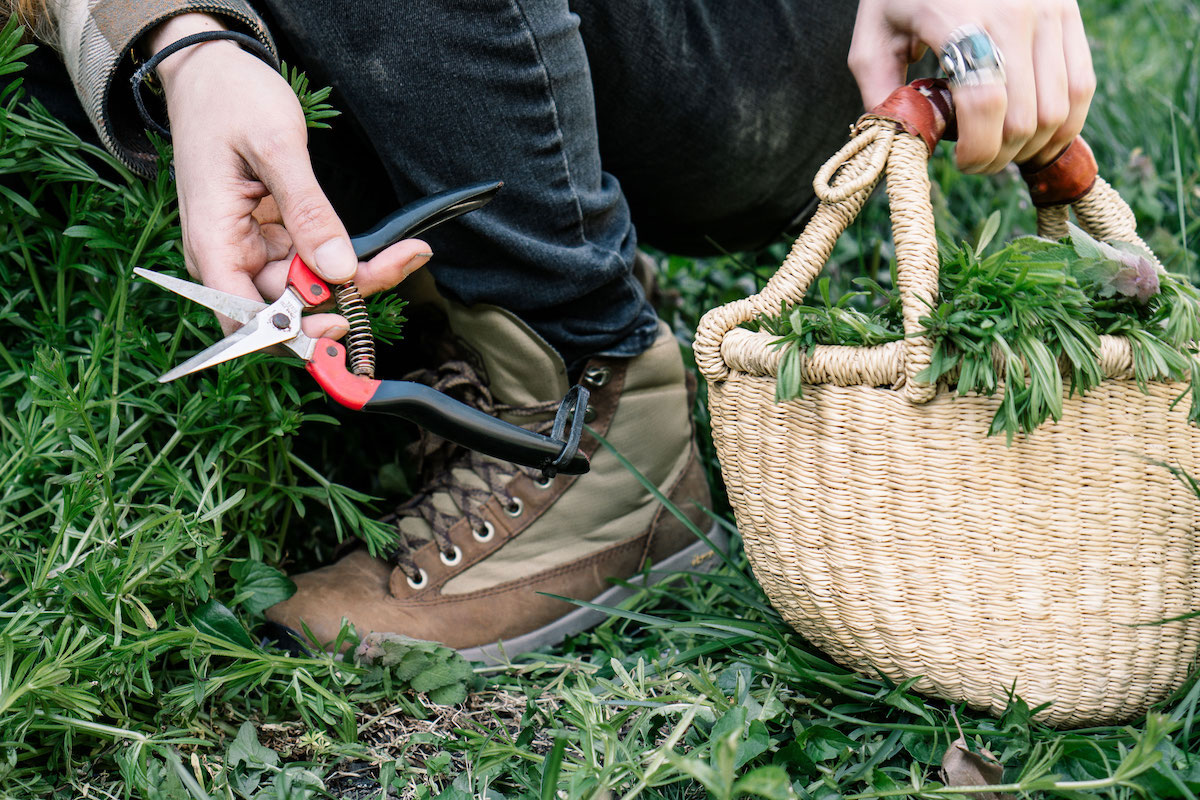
(248, 197)
(1050, 81)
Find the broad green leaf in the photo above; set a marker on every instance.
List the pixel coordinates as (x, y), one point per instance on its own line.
(449, 695)
(755, 743)
(770, 782)
(215, 619)
(417, 665)
(265, 585)
(823, 743)
(246, 751)
(732, 721)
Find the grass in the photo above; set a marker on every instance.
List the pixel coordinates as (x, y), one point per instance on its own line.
(142, 524)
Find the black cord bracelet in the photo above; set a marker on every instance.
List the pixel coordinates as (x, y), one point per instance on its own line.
(139, 76)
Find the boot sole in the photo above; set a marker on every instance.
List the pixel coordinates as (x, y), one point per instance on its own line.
(694, 558)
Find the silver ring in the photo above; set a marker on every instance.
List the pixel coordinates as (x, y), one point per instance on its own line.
(970, 58)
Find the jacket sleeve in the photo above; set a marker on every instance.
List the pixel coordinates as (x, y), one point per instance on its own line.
(96, 38)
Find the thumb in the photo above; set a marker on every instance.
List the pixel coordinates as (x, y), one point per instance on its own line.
(316, 231)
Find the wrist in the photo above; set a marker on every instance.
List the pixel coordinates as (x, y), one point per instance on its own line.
(176, 28)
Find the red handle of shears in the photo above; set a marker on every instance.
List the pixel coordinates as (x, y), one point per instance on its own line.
(328, 362)
(445, 417)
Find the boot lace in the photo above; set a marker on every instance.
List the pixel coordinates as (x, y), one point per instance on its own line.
(438, 460)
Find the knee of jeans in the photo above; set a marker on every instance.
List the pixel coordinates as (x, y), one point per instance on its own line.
(740, 179)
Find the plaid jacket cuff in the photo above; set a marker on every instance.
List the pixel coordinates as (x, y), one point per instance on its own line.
(97, 39)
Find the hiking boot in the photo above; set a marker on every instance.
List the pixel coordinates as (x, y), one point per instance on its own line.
(482, 540)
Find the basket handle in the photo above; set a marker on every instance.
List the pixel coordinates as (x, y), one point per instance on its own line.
(897, 138)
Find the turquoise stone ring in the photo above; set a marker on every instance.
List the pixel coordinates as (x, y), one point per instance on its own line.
(970, 58)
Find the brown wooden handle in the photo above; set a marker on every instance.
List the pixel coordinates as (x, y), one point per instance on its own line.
(925, 109)
(1066, 179)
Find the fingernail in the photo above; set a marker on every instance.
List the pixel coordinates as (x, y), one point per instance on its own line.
(336, 332)
(416, 262)
(336, 260)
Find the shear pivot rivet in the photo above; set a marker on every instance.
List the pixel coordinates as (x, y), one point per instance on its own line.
(331, 350)
(281, 321)
(317, 289)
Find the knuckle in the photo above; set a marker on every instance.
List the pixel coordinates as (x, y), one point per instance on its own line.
(858, 59)
(972, 159)
(308, 212)
(985, 99)
(1059, 141)
(277, 143)
(1045, 13)
(1083, 89)
(1020, 128)
(1051, 116)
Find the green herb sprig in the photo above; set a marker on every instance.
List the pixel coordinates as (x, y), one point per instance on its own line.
(844, 321)
(1024, 321)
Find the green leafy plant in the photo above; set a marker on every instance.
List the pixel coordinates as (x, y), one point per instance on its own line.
(137, 515)
(312, 101)
(400, 663)
(1018, 320)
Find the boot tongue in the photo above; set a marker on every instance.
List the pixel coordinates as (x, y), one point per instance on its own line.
(520, 368)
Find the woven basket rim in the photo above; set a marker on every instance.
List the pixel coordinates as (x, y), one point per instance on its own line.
(758, 353)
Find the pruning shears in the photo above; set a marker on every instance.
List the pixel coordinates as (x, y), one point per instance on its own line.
(278, 323)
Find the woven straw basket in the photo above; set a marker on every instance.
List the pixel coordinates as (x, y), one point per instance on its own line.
(890, 531)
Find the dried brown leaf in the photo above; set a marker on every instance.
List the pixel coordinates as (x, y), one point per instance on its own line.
(961, 767)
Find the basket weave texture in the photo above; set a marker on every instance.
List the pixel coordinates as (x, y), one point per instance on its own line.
(887, 528)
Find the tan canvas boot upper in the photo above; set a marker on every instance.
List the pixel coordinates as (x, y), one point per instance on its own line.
(484, 538)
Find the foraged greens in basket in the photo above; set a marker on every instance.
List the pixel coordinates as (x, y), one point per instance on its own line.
(1034, 309)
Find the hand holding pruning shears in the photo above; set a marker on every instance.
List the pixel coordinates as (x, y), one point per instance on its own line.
(281, 323)
(248, 198)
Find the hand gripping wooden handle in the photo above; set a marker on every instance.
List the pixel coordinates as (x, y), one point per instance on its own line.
(925, 108)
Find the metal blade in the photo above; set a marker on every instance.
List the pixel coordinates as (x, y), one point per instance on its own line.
(250, 338)
(238, 309)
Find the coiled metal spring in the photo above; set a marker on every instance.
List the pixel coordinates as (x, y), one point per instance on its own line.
(360, 344)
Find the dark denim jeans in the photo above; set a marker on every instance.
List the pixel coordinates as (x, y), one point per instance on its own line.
(700, 121)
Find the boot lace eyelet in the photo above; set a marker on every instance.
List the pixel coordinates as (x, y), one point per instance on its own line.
(597, 376)
(422, 580)
(543, 483)
(484, 533)
(453, 558)
(514, 507)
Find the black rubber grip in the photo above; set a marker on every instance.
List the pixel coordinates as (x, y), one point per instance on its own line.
(416, 218)
(470, 427)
